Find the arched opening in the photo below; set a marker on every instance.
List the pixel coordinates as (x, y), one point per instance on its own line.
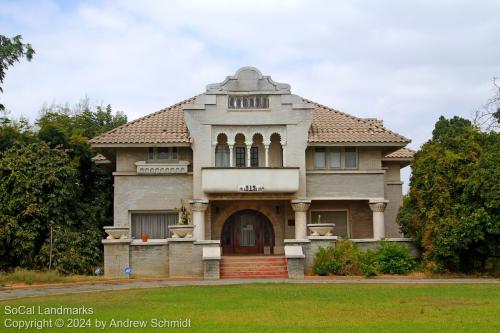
(240, 148)
(222, 151)
(257, 153)
(247, 232)
(275, 151)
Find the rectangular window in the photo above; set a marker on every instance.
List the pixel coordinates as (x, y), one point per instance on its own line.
(248, 102)
(335, 161)
(162, 153)
(155, 225)
(151, 153)
(254, 156)
(240, 157)
(221, 155)
(174, 154)
(320, 158)
(351, 157)
(341, 228)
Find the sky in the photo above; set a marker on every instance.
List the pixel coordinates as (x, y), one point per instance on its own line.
(406, 62)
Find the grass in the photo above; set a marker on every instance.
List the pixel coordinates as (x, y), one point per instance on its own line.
(23, 276)
(289, 308)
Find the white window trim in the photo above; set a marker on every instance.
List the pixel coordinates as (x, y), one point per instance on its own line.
(344, 159)
(326, 158)
(349, 231)
(329, 159)
(163, 160)
(163, 211)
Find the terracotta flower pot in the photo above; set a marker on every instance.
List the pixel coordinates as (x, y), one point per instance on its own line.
(144, 238)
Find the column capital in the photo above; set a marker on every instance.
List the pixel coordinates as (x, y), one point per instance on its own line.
(300, 205)
(378, 206)
(198, 205)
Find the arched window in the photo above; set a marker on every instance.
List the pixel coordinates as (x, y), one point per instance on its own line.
(222, 151)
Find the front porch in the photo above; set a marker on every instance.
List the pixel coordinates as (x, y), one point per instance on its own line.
(260, 227)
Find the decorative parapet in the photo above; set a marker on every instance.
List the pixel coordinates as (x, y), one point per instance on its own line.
(159, 169)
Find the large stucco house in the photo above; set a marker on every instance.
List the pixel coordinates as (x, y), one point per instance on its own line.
(253, 164)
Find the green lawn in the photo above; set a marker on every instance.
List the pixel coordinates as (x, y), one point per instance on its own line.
(289, 308)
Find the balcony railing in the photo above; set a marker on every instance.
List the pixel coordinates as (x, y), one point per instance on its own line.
(159, 169)
(250, 180)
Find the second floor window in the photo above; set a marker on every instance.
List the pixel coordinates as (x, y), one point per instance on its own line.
(335, 158)
(254, 156)
(240, 157)
(320, 158)
(163, 153)
(351, 158)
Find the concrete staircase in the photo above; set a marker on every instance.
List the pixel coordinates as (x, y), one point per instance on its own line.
(238, 267)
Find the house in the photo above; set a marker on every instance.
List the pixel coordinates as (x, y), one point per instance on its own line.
(253, 164)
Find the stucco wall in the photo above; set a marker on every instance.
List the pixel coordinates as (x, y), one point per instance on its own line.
(149, 193)
(393, 193)
(359, 214)
(364, 185)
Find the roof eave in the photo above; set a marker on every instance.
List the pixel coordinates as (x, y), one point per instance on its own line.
(135, 145)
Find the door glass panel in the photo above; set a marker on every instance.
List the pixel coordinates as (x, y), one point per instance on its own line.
(247, 230)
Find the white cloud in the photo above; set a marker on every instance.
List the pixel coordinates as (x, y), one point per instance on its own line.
(404, 62)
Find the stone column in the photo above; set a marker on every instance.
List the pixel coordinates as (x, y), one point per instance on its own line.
(378, 208)
(266, 148)
(214, 159)
(198, 208)
(284, 155)
(300, 207)
(231, 146)
(249, 147)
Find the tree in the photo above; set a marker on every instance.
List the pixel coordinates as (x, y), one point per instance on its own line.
(488, 116)
(12, 50)
(48, 175)
(453, 207)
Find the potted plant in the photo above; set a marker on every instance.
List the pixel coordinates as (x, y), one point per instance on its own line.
(321, 229)
(144, 237)
(183, 228)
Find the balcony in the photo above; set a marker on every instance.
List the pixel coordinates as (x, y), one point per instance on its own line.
(250, 180)
(161, 169)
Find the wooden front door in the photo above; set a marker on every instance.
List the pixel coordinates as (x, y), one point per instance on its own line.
(247, 232)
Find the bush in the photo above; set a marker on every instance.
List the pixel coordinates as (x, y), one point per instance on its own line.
(347, 255)
(324, 261)
(369, 263)
(394, 258)
(346, 259)
(343, 259)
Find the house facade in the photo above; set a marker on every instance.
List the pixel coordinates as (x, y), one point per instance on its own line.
(253, 165)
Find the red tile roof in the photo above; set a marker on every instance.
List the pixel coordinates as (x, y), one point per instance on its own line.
(328, 126)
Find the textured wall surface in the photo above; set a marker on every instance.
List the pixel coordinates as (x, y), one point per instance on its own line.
(149, 260)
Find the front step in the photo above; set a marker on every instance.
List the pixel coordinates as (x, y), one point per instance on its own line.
(253, 267)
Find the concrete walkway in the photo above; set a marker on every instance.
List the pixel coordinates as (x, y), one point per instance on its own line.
(48, 290)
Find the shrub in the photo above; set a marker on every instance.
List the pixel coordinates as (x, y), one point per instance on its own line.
(347, 254)
(394, 258)
(369, 263)
(324, 261)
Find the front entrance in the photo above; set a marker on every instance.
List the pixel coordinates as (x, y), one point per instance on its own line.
(247, 232)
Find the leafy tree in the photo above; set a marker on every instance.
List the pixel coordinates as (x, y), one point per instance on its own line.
(12, 50)
(453, 207)
(37, 185)
(47, 175)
